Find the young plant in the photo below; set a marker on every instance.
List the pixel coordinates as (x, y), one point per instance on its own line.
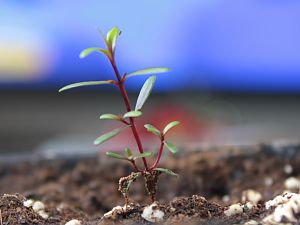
(149, 172)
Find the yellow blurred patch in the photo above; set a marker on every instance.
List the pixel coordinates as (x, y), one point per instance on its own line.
(20, 63)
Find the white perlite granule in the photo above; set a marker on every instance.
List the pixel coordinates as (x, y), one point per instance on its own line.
(249, 205)
(251, 222)
(234, 209)
(28, 203)
(37, 206)
(226, 198)
(109, 214)
(152, 214)
(73, 222)
(292, 183)
(251, 196)
(268, 181)
(288, 169)
(287, 207)
(279, 199)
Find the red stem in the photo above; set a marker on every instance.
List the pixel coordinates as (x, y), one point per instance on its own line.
(128, 107)
(159, 153)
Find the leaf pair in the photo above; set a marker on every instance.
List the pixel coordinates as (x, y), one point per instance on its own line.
(155, 131)
(116, 117)
(128, 157)
(110, 41)
(150, 128)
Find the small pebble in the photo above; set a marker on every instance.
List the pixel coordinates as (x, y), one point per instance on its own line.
(226, 198)
(73, 222)
(234, 209)
(172, 209)
(109, 214)
(288, 169)
(292, 183)
(28, 203)
(43, 214)
(152, 214)
(38, 206)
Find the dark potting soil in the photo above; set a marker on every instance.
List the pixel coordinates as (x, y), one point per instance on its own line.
(86, 188)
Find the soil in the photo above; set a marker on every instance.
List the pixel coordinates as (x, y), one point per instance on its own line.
(86, 188)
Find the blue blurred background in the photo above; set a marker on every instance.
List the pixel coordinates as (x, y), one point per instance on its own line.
(235, 76)
(216, 45)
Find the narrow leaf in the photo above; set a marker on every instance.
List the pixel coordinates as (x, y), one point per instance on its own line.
(109, 117)
(145, 92)
(88, 51)
(86, 83)
(143, 155)
(148, 71)
(152, 129)
(171, 147)
(167, 171)
(112, 37)
(132, 114)
(170, 125)
(115, 155)
(105, 137)
(128, 152)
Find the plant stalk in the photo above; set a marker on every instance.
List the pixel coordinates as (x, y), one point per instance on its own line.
(159, 154)
(128, 108)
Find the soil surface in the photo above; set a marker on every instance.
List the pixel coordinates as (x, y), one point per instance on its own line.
(208, 183)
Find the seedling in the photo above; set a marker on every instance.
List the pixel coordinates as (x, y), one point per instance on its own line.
(149, 172)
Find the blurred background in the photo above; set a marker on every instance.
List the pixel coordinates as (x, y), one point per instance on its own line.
(235, 76)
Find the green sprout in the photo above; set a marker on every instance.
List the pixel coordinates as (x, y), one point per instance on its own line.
(150, 173)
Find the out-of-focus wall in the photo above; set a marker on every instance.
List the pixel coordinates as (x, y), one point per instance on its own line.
(210, 44)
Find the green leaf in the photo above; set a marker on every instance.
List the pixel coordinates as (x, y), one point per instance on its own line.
(112, 37)
(88, 51)
(109, 117)
(128, 152)
(167, 171)
(85, 83)
(171, 147)
(152, 129)
(145, 92)
(132, 114)
(170, 125)
(148, 71)
(143, 155)
(105, 137)
(115, 155)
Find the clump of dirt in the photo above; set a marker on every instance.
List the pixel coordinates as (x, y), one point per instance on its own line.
(14, 212)
(86, 188)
